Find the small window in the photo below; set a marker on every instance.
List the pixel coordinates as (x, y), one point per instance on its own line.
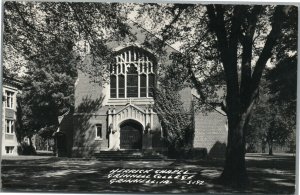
(9, 149)
(98, 131)
(9, 99)
(9, 126)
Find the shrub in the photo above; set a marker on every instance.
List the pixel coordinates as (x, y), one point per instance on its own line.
(25, 149)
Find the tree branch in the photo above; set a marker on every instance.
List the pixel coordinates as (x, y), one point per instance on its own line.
(247, 43)
(26, 23)
(217, 24)
(279, 16)
(231, 73)
(195, 81)
(181, 8)
(24, 20)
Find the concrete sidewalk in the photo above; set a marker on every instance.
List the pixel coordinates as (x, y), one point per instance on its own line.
(29, 157)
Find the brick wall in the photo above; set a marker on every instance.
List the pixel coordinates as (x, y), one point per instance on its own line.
(88, 99)
(211, 132)
(85, 142)
(87, 91)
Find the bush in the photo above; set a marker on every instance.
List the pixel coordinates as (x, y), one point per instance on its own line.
(250, 148)
(188, 153)
(25, 149)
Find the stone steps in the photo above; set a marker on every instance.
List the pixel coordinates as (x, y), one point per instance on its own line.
(128, 155)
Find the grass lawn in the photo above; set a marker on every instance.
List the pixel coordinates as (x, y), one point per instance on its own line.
(267, 174)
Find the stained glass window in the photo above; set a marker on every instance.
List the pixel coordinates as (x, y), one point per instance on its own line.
(132, 81)
(133, 74)
(151, 84)
(143, 85)
(113, 86)
(121, 86)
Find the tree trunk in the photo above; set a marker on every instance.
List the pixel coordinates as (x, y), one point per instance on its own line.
(234, 172)
(270, 148)
(263, 147)
(30, 141)
(47, 144)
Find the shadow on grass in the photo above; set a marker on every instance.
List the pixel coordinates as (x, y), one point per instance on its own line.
(266, 175)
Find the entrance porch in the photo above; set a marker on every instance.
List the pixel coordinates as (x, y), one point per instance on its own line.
(130, 128)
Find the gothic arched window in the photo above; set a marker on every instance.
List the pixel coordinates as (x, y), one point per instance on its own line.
(133, 74)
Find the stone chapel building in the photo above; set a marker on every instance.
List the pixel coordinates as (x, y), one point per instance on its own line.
(119, 115)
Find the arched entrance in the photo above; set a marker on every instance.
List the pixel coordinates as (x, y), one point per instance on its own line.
(131, 135)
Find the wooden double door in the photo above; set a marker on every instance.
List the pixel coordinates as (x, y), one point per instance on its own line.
(131, 135)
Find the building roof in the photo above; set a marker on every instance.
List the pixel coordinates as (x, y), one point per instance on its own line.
(10, 81)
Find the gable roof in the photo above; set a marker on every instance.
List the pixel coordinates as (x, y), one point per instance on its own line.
(130, 105)
(142, 38)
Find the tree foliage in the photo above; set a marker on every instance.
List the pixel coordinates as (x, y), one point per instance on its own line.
(278, 94)
(29, 28)
(234, 42)
(271, 125)
(176, 120)
(45, 43)
(48, 92)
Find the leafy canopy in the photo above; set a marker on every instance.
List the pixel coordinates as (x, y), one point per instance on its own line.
(45, 43)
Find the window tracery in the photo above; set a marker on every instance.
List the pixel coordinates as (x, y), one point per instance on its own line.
(132, 74)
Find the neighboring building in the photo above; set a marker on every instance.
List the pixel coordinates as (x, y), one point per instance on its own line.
(119, 115)
(9, 142)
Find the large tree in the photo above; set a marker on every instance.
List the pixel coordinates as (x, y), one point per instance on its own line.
(45, 43)
(232, 42)
(241, 96)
